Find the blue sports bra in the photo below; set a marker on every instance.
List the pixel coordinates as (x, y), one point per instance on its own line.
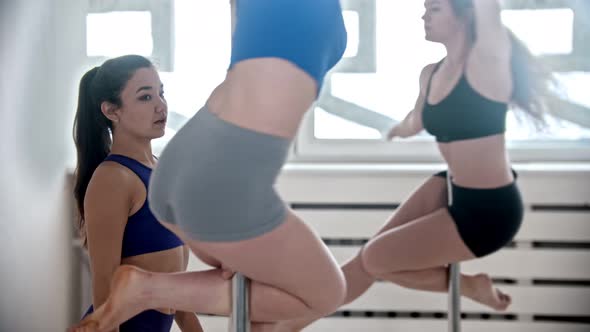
(308, 33)
(143, 233)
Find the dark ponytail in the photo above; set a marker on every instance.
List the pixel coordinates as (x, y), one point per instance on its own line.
(533, 83)
(92, 130)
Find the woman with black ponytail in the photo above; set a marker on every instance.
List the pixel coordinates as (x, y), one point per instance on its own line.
(121, 108)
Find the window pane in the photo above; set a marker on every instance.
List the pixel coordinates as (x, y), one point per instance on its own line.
(575, 84)
(402, 52)
(115, 33)
(202, 54)
(545, 31)
(340, 128)
(351, 20)
(201, 58)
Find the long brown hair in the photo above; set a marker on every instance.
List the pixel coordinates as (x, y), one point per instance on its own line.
(92, 130)
(532, 80)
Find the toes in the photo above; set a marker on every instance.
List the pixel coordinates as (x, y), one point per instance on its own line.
(505, 301)
(503, 296)
(85, 326)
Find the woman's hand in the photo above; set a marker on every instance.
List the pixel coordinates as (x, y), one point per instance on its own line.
(394, 132)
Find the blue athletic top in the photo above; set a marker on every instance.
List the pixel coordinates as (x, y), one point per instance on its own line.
(147, 321)
(143, 233)
(308, 33)
(463, 114)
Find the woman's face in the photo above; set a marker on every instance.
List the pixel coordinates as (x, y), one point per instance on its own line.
(144, 110)
(440, 21)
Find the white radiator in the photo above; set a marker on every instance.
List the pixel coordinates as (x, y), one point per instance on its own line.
(546, 269)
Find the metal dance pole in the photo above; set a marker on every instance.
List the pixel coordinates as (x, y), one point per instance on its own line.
(454, 298)
(240, 317)
(454, 315)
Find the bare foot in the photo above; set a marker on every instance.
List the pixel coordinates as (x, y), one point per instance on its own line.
(288, 326)
(126, 300)
(485, 293)
(263, 327)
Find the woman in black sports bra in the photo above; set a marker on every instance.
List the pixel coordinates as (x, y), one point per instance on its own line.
(463, 102)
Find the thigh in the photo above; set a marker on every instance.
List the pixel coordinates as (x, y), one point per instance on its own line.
(291, 257)
(427, 198)
(430, 241)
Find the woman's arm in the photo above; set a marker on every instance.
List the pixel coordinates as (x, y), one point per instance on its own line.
(492, 37)
(412, 123)
(106, 209)
(489, 66)
(188, 322)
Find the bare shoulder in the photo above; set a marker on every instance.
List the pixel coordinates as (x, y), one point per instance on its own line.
(111, 184)
(425, 75)
(427, 70)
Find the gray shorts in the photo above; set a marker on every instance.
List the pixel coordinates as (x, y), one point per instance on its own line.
(215, 180)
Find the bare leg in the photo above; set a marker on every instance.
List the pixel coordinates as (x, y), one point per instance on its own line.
(394, 256)
(291, 270)
(427, 198)
(478, 288)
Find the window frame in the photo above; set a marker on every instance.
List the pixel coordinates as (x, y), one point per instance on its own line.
(307, 148)
(162, 24)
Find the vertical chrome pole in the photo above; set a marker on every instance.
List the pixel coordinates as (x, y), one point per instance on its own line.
(454, 298)
(240, 317)
(454, 315)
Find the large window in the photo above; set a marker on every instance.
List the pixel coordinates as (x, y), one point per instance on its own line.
(361, 101)
(376, 83)
(196, 34)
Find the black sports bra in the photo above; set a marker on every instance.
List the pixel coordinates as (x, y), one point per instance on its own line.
(463, 114)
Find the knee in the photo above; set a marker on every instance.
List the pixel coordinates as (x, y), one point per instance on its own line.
(270, 304)
(371, 262)
(273, 304)
(332, 295)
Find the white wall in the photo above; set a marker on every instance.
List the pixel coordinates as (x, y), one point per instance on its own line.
(35, 234)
